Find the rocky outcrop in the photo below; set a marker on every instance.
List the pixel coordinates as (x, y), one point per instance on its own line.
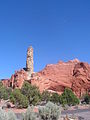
(56, 77)
(16, 80)
(81, 78)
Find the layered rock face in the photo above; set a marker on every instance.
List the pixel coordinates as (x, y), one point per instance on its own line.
(81, 78)
(56, 77)
(16, 80)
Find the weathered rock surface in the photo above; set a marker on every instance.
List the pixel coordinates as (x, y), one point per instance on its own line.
(56, 77)
(29, 61)
(16, 80)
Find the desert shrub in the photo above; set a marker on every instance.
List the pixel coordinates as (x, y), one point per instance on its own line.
(7, 115)
(19, 99)
(1, 84)
(30, 114)
(49, 112)
(31, 92)
(68, 97)
(11, 115)
(86, 98)
(3, 93)
(55, 98)
(3, 115)
(9, 90)
(45, 96)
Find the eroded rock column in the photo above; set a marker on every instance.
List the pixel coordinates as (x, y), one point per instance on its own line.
(29, 62)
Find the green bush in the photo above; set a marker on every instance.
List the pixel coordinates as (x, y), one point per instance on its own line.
(49, 112)
(55, 98)
(30, 114)
(9, 90)
(19, 99)
(4, 93)
(45, 96)
(31, 92)
(1, 84)
(86, 98)
(68, 97)
(7, 115)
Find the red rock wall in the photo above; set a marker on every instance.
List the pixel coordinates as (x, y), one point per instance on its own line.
(56, 77)
(16, 80)
(72, 74)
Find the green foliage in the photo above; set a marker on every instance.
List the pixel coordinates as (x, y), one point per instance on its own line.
(49, 112)
(45, 96)
(31, 92)
(30, 114)
(1, 84)
(30, 95)
(86, 98)
(4, 93)
(9, 90)
(55, 98)
(68, 97)
(19, 99)
(7, 115)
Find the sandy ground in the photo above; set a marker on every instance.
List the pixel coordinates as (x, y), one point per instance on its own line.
(83, 114)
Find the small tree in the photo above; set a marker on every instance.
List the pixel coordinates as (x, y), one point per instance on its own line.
(68, 97)
(19, 99)
(45, 96)
(3, 93)
(86, 98)
(1, 84)
(31, 92)
(55, 98)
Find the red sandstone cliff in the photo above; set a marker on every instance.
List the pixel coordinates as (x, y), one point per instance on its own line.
(16, 80)
(55, 77)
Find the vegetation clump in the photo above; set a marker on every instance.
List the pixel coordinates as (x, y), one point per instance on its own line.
(4, 92)
(55, 98)
(45, 96)
(68, 97)
(86, 99)
(49, 112)
(7, 115)
(32, 93)
(30, 114)
(19, 99)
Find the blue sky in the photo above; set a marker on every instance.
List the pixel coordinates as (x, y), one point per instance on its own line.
(57, 30)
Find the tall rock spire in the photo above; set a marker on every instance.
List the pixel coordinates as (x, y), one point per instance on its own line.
(29, 62)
